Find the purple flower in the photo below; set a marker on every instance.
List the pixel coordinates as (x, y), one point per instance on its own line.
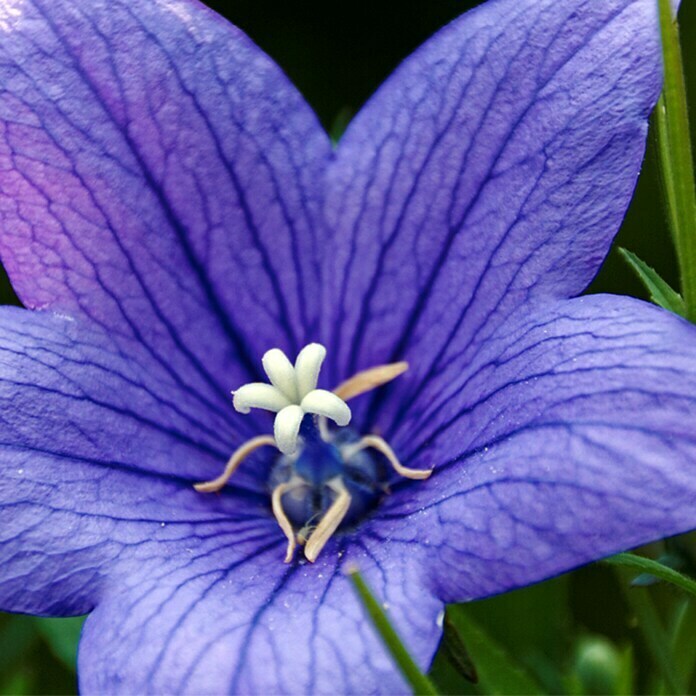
(170, 210)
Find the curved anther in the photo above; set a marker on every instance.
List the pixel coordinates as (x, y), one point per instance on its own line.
(234, 461)
(382, 446)
(281, 517)
(367, 380)
(330, 521)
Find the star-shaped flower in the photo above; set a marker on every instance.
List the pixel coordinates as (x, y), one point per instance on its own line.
(292, 394)
(170, 210)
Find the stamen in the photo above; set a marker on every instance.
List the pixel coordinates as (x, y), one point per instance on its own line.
(367, 380)
(330, 522)
(307, 529)
(324, 458)
(382, 446)
(234, 461)
(281, 517)
(305, 533)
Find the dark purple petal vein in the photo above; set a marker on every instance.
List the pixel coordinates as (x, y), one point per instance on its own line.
(159, 185)
(492, 169)
(91, 441)
(155, 173)
(98, 453)
(569, 438)
(239, 621)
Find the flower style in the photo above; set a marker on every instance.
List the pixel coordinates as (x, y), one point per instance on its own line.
(170, 210)
(292, 394)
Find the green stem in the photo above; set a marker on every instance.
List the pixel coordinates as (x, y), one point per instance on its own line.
(654, 634)
(647, 565)
(666, 170)
(418, 681)
(674, 140)
(683, 643)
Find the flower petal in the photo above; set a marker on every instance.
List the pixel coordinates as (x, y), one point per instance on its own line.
(97, 509)
(155, 175)
(493, 168)
(97, 450)
(240, 621)
(570, 437)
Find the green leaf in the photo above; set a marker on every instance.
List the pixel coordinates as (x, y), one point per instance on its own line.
(529, 620)
(647, 565)
(339, 125)
(624, 684)
(674, 141)
(18, 683)
(418, 681)
(498, 671)
(683, 643)
(660, 291)
(529, 623)
(62, 637)
(654, 634)
(17, 636)
(456, 651)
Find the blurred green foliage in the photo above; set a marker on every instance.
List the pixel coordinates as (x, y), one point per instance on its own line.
(576, 634)
(37, 655)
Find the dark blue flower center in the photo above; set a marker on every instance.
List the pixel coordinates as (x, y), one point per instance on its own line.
(319, 461)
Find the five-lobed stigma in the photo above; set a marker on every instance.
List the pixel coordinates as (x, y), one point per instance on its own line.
(324, 477)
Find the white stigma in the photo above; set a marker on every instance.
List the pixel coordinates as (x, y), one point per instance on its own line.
(292, 394)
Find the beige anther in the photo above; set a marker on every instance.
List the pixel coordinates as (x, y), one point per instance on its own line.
(329, 522)
(367, 380)
(234, 461)
(381, 445)
(281, 517)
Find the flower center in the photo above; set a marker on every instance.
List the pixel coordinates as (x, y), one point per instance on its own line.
(332, 481)
(324, 478)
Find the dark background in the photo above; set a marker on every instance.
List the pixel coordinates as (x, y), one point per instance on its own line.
(338, 54)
